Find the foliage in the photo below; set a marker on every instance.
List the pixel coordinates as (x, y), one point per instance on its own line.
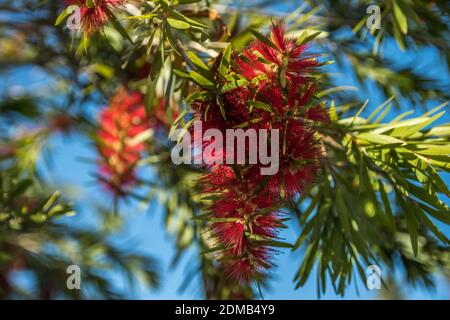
(380, 196)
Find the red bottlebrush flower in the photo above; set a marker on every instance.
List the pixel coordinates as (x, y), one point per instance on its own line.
(299, 160)
(122, 121)
(287, 59)
(241, 217)
(245, 217)
(235, 104)
(251, 266)
(95, 13)
(232, 235)
(266, 225)
(318, 114)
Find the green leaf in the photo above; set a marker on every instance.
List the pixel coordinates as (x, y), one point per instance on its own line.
(177, 24)
(201, 80)
(83, 46)
(264, 39)
(170, 39)
(400, 18)
(51, 201)
(197, 61)
(181, 17)
(399, 38)
(326, 92)
(432, 227)
(359, 25)
(149, 96)
(221, 105)
(333, 114)
(177, 120)
(433, 150)
(308, 263)
(359, 113)
(273, 243)
(247, 123)
(63, 16)
(402, 116)
(116, 24)
(20, 188)
(301, 17)
(156, 65)
(307, 37)
(141, 17)
(225, 62)
(260, 105)
(213, 249)
(182, 74)
(307, 228)
(233, 85)
(410, 127)
(411, 225)
(342, 211)
(441, 131)
(202, 96)
(380, 139)
(408, 10)
(222, 220)
(435, 109)
(387, 207)
(188, 1)
(441, 215)
(378, 109)
(38, 217)
(383, 114)
(282, 73)
(422, 194)
(90, 4)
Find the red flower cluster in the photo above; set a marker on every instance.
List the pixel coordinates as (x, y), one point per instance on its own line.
(277, 74)
(245, 220)
(95, 13)
(122, 121)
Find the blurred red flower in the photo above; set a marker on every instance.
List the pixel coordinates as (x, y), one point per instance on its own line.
(95, 13)
(120, 123)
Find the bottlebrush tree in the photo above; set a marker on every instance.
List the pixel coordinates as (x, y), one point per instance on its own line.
(359, 185)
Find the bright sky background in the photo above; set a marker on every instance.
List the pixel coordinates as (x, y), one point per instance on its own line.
(144, 230)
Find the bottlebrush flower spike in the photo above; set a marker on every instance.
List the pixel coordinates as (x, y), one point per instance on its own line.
(242, 219)
(122, 121)
(286, 59)
(96, 13)
(245, 220)
(251, 266)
